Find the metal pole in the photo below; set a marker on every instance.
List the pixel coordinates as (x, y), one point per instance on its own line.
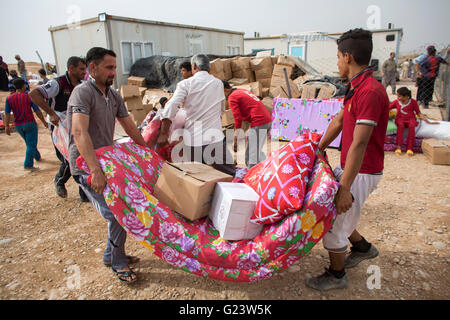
(287, 83)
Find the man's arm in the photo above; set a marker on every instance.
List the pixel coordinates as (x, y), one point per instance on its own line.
(37, 98)
(7, 128)
(80, 125)
(355, 156)
(132, 130)
(333, 131)
(41, 117)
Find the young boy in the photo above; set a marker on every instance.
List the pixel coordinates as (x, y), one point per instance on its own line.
(407, 110)
(363, 122)
(20, 104)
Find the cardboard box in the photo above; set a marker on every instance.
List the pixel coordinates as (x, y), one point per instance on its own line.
(147, 108)
(278, 92)
(262, 67)
(254, 87)
(233, 205)
(237, 81)
(134, 103)
(437, 151)
(227, 72)
(227, 118)
(142, 91)
(241, 63)
(325, 93)
(188, 188)
(309, 92)
(285, 61)
(129, 91)
(136, 81)
(138, 116)
(152, 96)
(245, 74)
(216, 69)
(268, 102)
(265, 92)
(266, 53)
(265, 83)
(278, 71)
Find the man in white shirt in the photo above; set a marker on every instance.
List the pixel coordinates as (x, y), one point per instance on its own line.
(203, 98)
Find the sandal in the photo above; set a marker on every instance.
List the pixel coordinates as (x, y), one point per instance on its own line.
(123, 275)
(131, 260)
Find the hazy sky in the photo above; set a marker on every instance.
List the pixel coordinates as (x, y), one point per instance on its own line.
(24, 24)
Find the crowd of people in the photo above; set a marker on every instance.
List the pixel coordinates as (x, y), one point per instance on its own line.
(92, 107)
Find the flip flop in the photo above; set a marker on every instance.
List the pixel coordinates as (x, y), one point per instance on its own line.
(125, 274)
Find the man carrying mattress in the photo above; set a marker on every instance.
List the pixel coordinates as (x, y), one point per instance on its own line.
(363, 122)
(92, 110)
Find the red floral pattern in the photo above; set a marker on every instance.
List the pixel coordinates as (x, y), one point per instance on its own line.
(196, 247)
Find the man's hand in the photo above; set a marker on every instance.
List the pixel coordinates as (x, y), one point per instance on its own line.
(343, 200)
(54, 119)
(8, 130)
(98, 181)
(163, 140)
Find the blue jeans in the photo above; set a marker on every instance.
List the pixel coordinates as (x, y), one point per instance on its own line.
(29, 133)
(117, 236)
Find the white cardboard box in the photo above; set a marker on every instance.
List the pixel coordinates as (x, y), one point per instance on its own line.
(233, 205)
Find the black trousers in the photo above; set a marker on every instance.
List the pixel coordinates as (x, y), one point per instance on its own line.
(218, 161)
(63, 175)
(425, 89)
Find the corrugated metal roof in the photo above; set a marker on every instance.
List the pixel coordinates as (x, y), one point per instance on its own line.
(160, 23)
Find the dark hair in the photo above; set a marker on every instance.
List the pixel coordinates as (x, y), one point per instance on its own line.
(42, 71)
(186, 65)
(18, 83)
(431, 50)
(74, 61)
(97, 54)
(162, 100)
(404, 91)
(226, 84)
(358, 43)
(13, 73)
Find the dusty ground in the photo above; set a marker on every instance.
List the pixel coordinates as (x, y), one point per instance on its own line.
(45, 241)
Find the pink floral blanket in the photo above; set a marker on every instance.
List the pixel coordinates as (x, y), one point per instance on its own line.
(196, 247)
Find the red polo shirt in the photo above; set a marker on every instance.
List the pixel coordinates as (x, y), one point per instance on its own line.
(369, 105)
(247, 107)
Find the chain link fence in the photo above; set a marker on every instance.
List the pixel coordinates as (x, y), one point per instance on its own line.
(442, 88)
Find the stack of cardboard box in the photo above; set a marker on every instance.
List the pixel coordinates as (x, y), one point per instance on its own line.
(263, 69)
(279, 83)
(241, 69)
(132, 95)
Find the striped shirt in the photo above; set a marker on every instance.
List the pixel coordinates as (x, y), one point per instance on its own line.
(20, 104)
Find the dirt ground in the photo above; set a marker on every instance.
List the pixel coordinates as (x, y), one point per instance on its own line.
(51, 248)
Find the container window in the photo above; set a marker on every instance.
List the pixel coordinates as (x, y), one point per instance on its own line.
(390, 37)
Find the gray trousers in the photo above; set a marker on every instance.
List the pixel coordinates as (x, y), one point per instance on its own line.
(256, 137)
(115, 246)
(389, 80)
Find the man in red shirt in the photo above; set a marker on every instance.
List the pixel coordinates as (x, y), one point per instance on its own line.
(247, 107)
(363, 122)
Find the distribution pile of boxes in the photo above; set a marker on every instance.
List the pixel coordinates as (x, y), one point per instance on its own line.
(269, 76)
(139, 100)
